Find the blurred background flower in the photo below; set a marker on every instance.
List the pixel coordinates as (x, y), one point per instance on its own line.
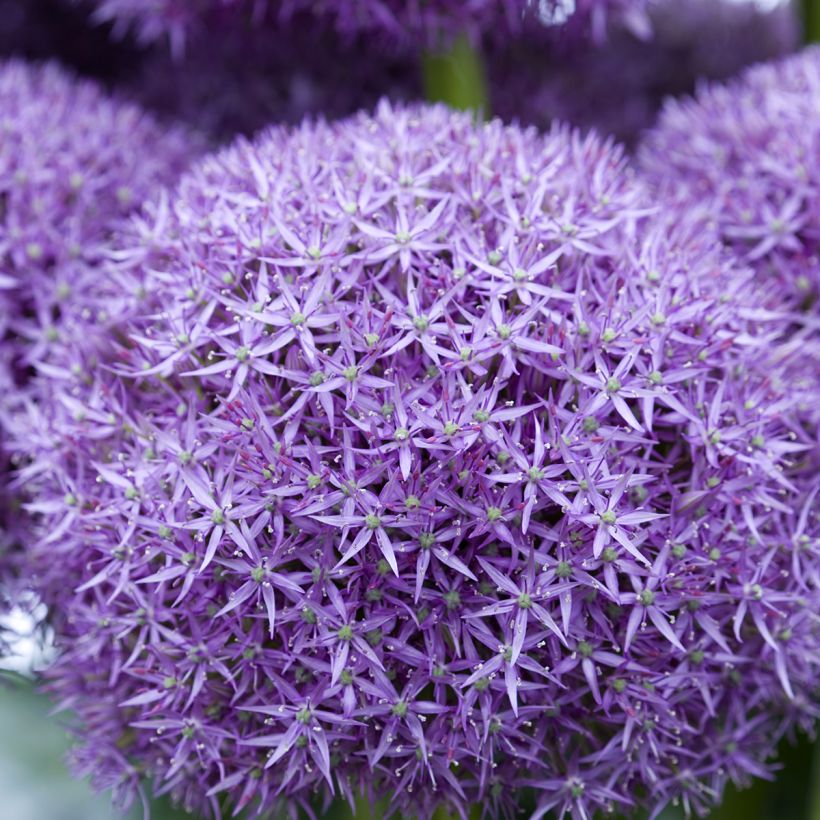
(232, 80)
(408, 24)
(752, 168)
(619, 87)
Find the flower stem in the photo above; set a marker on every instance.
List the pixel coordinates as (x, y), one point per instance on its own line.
(814, 791)
(455, 76)
(811, 20)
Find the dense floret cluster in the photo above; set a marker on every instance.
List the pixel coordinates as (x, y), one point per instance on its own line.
(73, 167)
(437, 466)
(753, 169)
(417, 21)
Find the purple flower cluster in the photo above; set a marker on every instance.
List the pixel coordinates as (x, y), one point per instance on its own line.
(752, 168)
(437, 465)
(416, 21)
(73, 167)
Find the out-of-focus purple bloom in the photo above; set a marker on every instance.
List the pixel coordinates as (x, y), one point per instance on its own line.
(234, 82)
(414, 22)
(435, 22)
(619, 87)
(745, 155)
(438, 464)
(73, 167)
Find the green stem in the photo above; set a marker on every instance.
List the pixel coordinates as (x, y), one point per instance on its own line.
(811, 20)
(456, 77)
(366, 810)
(814, 790)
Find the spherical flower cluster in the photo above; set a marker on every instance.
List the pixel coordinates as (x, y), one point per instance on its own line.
(73, 167)
(415, 22)
(619, 87)
(746, 155)
(437, 467)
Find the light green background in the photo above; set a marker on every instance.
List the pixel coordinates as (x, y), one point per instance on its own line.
(34, 784)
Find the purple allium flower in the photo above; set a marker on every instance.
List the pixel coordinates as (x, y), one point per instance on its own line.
(408, 22)
(73, 167)
(438, 465)
(746, 155)
(619, 87)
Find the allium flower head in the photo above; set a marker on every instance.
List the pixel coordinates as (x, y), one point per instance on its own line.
(746, 154)
(73, 167)
(438, 466)
(400, 21)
